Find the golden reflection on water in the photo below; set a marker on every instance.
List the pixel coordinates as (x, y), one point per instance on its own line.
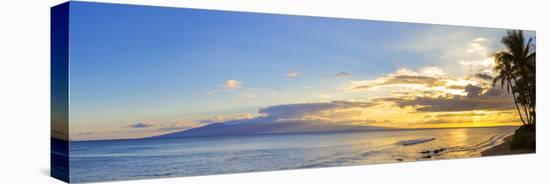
(459, 137)
(456, 142)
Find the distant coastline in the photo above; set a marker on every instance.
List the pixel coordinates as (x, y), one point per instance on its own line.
(261, 134)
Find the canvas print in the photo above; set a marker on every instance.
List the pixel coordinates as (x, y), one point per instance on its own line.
(142, 92)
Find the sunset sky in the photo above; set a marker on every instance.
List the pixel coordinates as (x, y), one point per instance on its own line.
(144, 71)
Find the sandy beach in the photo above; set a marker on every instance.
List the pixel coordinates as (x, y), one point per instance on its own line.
(504, 149)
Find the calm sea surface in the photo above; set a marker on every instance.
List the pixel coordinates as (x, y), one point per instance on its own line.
(151, 158)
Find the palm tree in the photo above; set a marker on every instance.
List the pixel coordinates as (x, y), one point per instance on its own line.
(516, 67)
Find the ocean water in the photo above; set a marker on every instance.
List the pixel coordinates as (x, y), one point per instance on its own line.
(92, 161)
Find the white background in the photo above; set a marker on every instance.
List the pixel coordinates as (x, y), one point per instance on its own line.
(24, 90)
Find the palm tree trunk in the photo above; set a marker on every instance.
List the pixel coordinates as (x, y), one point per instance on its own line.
(534, 116)
(522, 94)
(515, 102)
(527, 114)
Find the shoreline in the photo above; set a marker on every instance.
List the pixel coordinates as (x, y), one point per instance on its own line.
(504, 149)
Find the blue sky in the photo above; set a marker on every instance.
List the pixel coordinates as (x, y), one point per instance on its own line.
(135, 64)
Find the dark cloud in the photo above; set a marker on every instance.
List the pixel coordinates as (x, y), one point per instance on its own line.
(494, 92)
(484, 76)
(455, 87)
(343, 74)
(477, 98)
(140, 125)
(454, 103)
(472, 90)
(411, 79)
(406, 79)
(299, 110)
